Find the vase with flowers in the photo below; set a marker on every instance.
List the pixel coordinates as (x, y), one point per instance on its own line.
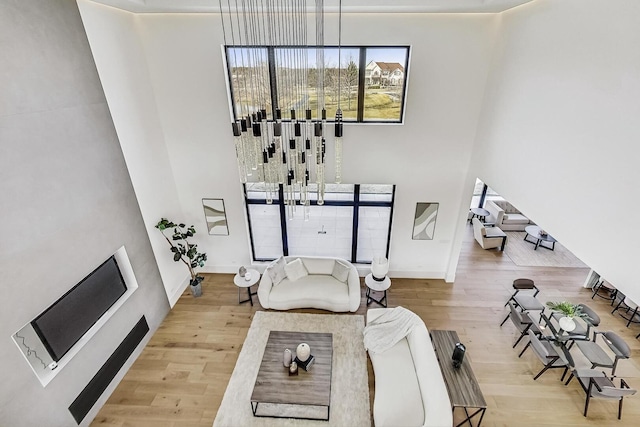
(570, 312)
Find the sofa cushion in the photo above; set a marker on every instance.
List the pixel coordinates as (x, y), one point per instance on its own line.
(399, 401)
(515, 218)
(295, 270)
(340, 271)
(309, 290)
(319, 265)
(276, 271)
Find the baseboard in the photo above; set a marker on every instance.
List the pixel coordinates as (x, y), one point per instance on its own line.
(178, 292)
(363, 270)
(416, 274)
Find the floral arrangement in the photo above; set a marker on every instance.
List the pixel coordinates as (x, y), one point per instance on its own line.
(568, 309)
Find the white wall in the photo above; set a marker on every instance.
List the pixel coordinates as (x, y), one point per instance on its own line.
(427, 157)
(124, 75)
(559, 134)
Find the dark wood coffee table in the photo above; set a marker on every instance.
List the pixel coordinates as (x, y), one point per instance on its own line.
(463, 388)
(304, 396)
(534, 231)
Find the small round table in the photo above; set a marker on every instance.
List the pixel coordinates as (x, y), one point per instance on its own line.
(534, 231)
(242, 282)
(377, 286)
(481, 213)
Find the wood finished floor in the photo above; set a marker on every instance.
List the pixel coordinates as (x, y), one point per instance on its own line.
(181, 376)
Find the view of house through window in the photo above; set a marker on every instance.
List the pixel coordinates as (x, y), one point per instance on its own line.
(384, 84)
(327, 230)
(375, 95)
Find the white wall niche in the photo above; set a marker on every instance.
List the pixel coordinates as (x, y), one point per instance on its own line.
(34, 351)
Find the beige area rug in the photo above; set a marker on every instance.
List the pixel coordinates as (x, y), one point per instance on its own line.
(349, 381)
(524, 255)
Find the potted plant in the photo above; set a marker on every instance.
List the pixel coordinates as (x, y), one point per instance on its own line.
(184, 251)
(570, 311)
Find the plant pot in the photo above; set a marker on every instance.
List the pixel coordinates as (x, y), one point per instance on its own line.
(567, 323)
(196, 286)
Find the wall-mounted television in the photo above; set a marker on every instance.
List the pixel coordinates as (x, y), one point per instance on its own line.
(62, 324)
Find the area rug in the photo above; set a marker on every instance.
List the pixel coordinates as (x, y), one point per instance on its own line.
(349, 382)
(524, 255)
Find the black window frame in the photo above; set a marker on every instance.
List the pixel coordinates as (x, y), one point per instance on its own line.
(356, 203)
(362, 64)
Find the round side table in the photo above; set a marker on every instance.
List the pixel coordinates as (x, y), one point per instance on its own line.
(242, 282)
(377, 286)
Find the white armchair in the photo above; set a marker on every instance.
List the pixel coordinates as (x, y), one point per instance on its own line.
(488, 237)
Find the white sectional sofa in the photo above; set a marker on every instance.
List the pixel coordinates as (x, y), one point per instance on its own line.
(409, 388)
(505, 216)
(321, 288)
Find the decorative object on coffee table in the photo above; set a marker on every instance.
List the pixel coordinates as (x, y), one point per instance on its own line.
(306, 365)
(303, 351)
(242, 271)
(287, 358)
(304, 358)
(293, 369)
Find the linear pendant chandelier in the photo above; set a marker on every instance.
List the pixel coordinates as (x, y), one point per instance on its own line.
(280, 138)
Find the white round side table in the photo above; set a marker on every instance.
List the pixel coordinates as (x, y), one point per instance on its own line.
(242, 282)
(377, 286)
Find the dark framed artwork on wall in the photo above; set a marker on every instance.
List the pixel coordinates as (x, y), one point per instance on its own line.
(215, 216)
(424, 222)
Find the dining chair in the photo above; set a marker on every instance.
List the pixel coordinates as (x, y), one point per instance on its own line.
(522, 284)
(596, 355)
(522, 321)
(628, 306)
(548, 353)
(597, 385)
(525, 302)
(605, 290)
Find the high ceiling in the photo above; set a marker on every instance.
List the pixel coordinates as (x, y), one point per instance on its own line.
(381, 6)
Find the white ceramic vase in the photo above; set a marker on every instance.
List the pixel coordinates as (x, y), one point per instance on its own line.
(287, 358)
(303, 352)
(567, 323)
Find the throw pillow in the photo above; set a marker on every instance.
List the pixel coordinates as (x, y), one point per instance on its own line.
(340, 271)
(295, 270)
(276, 271)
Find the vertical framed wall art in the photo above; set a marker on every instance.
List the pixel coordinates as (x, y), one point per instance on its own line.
(215, 216)
(424, 222)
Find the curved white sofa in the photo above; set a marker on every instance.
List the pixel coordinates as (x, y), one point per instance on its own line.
(317, 290)
(409, 388)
